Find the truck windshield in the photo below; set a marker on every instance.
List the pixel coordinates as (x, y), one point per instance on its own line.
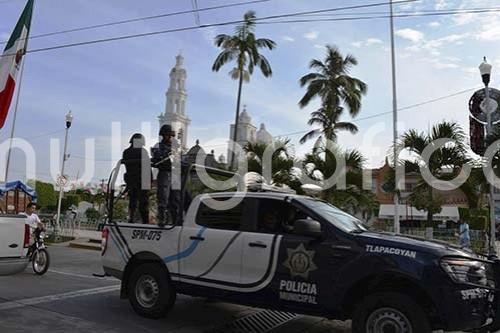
(335, 216)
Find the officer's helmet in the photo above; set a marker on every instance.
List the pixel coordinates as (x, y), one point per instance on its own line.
(166, 130)
(137, 140)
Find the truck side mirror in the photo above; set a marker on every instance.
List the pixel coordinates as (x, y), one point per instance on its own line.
(306, 227)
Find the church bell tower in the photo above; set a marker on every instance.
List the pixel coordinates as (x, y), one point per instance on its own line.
(175, 109)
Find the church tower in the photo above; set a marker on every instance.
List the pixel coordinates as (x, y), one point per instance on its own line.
(175, 109)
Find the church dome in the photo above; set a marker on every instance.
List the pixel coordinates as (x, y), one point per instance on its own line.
(194, 151)
(245, 117)
(263, 135)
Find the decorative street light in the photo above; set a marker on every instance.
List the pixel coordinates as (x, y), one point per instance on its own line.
(488, 106)
(61, 181)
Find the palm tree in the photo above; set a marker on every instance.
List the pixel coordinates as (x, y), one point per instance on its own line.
(328, 120)
(322, 163)
(336, 89)
(282, 162)
(444, 164)
(243, 47)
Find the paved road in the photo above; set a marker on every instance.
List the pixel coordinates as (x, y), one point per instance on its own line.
(69, 299)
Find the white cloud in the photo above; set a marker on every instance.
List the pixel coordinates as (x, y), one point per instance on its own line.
(367, 42)
(434, 24)
(410, 34)
(319, 46)
(441, 4)
(311, 35)
(4, 36)
(490, 34)
(371, 41)
(288, 39)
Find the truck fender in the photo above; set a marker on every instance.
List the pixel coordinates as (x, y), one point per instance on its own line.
(135, 261)
(390, 281)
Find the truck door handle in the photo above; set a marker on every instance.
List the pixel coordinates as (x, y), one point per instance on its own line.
(198, 238)
(257, 244)
(13, 246)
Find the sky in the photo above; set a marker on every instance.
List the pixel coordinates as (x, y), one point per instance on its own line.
(125, 81)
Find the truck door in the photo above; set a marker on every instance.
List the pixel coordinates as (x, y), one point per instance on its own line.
(302, 265)
(12, 236)
(210, 252)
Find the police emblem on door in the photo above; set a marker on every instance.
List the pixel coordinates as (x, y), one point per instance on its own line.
(300, 262)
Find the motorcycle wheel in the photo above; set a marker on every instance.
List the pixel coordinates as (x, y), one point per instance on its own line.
(41, 261)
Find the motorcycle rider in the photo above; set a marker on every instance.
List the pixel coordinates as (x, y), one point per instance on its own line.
(136, 160)
(33, 221)
(168, 200)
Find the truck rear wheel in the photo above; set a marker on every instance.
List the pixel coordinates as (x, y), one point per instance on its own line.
(151, 293)
(389, 313)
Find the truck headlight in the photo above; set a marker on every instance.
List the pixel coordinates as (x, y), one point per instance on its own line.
(468, 271)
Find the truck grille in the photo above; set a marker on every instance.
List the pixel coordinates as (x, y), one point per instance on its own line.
(259, 322)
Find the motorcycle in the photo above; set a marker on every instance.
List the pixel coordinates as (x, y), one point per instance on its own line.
(39, 256)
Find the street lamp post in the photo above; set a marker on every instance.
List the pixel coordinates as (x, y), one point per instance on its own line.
(69, 120)
(489, 107)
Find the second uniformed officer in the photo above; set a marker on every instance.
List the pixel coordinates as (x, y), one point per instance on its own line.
(161, 159)
(136, 160)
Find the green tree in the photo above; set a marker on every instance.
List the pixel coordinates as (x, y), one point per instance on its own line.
(47, 197)
(282, 162)
(92, 214)
(332, 84)
(243, 47)
(444, 164)
(322, 164)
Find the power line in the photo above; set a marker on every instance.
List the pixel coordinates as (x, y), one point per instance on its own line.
(449, 10)
(405, 108)
(144, 18)
(361, 18)
(130, 36)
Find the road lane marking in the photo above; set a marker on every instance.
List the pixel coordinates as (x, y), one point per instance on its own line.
(57, 297)
(82, 276)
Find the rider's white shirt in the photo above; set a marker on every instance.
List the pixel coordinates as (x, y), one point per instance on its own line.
(32, 220)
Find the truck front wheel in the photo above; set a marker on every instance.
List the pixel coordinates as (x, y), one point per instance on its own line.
(389, 312)
(151, 293)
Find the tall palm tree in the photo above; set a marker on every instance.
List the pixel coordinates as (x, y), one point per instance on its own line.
(336, 89)
(444, 164)
(243, 47)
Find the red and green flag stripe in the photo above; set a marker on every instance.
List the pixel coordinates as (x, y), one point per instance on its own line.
(10, 60)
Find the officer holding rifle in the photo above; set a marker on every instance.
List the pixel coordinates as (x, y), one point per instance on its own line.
(162, 154)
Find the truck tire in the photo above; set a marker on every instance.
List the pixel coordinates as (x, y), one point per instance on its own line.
(389, 312)
(151, 292)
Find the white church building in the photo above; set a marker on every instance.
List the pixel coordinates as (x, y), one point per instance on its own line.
(176, 114)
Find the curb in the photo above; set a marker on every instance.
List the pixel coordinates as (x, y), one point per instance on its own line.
(86, 244)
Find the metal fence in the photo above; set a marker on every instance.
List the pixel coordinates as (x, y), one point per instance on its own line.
(479, 238)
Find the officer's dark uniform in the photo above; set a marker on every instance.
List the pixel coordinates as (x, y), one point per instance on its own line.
(135, 158)
(168, 200)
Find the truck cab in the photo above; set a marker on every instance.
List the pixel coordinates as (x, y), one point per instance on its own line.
(299, 254)
(14, 242)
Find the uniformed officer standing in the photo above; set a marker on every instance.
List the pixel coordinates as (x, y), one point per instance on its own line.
(137, 163)
(162, 152)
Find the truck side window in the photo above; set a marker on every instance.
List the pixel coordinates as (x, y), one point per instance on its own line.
(229, 219)
(277, 216)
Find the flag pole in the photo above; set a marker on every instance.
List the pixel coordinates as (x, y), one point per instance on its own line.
(12, 130)
(14, 121)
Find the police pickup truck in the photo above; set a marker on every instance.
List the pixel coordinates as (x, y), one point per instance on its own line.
(295, 253)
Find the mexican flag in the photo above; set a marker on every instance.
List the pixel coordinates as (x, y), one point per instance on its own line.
(10, 61)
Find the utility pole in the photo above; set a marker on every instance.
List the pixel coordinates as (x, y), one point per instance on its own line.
(394, 122)
(69, 120)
